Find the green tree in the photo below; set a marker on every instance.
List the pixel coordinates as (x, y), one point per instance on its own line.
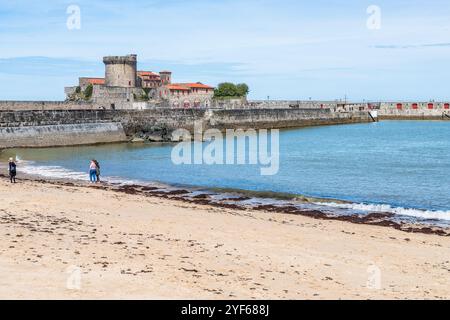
(228, 89)
(88, 92)
(145, 95)
(242, 89)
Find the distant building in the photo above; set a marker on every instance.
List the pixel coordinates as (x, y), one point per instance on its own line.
(84, 82)
(199, 88)
(166, 77)
(180, 89)
(121, 71)
(123, 85)
(187, 95)
(148, 79)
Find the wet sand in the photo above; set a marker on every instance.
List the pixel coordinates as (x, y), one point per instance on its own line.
(67, 241)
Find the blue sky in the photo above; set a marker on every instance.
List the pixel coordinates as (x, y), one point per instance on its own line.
(285, 49)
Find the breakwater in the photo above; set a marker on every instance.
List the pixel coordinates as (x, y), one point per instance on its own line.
(386, 110)
(36, 128)
(415, 111)
(46, 105)
(61, 135)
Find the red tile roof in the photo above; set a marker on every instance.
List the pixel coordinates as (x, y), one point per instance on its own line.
(147, 73)
(197, 85)
(100, 81)
(177, 87)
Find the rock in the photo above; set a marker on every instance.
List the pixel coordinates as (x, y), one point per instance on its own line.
(137, 140)
(180, 137)
(155, 138)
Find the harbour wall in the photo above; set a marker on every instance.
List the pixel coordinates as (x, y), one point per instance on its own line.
(415, 111)
(73, 127)
(282, 118)
(386, 110)
(61, 135)
(46, 105)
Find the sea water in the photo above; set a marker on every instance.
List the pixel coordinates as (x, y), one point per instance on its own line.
(402, 167)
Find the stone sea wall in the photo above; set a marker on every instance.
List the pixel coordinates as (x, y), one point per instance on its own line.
(52, 123)
(122, 99)
(301, 104)
(282, 118)
(415, 110)
(45, 128)
(61, 135)
(45, 105)
(73, 127)
(52, 117)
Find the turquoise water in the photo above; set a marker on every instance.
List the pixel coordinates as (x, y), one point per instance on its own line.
(403, 164)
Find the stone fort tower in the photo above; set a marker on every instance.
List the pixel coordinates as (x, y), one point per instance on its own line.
(166, 77)
(121, 71)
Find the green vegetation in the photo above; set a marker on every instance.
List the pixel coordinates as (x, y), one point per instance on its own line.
(88, 92)
(79, 94)
(144, 96)
(242, 89)
(231, 90)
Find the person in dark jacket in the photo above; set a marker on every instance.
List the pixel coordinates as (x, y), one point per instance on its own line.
(97, 170)
(12, 168)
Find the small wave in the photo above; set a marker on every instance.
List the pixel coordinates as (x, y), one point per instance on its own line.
(54, 172)
(57, 172)
(255, 197)
(416, 213)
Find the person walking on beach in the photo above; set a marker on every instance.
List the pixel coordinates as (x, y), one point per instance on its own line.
(12, 168)
(92, 171)
(97, 170)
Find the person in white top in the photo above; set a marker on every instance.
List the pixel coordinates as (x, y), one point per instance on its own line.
(93, 172)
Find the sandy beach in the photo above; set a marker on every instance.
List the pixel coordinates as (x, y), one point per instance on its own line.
(78, 242)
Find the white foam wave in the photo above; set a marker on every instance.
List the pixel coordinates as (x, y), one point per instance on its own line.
(417, 213)
(57, 172)
(54, 172)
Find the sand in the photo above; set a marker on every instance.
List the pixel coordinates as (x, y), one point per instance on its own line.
(64, 242)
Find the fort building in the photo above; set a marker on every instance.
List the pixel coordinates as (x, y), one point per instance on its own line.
(84, 82)
(166, 77)
(148, 79)
(187, 95)
(126, 87)
(121, 71)
(123, 85)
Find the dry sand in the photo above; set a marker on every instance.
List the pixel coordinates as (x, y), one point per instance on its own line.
(78, 243)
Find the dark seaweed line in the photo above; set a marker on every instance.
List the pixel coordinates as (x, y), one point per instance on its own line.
(375, 219)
